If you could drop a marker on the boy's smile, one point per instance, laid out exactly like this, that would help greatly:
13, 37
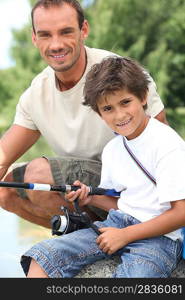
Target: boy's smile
124, 113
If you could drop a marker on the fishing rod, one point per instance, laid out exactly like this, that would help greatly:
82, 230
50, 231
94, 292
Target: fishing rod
60, 188
68, 221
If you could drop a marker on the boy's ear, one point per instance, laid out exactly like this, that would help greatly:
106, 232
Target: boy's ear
144, 101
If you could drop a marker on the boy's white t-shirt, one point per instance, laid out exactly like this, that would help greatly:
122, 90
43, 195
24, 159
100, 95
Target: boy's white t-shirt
162, 152
70, 128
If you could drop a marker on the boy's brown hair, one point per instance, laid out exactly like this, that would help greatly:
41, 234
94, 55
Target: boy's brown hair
114, 74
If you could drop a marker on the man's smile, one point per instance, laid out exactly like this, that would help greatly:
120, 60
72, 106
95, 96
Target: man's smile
58, 56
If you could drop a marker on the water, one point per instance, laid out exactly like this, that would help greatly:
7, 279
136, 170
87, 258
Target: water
16, 236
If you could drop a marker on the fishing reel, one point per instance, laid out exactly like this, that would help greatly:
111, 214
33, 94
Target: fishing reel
71, 221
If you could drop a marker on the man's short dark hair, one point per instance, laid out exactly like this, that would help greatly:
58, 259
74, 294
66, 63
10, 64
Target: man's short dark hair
49, 3
114, 74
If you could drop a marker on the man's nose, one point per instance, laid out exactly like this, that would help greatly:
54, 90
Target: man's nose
56, 43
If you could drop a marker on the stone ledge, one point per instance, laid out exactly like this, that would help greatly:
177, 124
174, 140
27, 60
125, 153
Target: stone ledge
105, 268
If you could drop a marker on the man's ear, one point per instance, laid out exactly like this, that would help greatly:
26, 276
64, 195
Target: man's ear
85, 30
33, 37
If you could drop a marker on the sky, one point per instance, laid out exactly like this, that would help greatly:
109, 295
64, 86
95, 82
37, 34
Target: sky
13, 14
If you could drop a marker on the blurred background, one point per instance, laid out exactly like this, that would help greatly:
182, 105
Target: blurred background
152, 32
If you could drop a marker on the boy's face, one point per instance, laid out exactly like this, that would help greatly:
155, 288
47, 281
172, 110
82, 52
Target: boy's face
124, 113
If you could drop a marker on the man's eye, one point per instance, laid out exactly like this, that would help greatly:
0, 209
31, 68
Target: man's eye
67, 32
44, 35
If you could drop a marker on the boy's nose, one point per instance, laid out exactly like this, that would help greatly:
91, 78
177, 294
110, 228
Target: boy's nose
120, 115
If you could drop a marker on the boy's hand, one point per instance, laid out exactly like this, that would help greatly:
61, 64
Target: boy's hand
81, 194
111, 239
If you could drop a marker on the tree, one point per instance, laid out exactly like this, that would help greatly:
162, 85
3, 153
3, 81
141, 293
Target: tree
15, 80
152, 33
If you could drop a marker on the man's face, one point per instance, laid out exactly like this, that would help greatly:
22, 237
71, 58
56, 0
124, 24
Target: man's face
58, 36
123, 112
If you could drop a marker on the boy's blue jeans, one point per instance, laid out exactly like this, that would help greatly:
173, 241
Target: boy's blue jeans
66, 255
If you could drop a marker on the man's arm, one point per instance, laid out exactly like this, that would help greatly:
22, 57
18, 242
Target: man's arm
162, 117
155, 106
14, 143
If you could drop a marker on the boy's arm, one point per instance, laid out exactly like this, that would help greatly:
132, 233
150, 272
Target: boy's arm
168, 221
113, 239
104, 202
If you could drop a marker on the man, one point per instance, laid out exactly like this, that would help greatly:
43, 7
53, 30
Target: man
52, 107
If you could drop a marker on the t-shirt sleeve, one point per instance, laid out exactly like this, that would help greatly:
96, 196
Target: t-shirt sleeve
105, 181
23, 111
170, 176
154, 102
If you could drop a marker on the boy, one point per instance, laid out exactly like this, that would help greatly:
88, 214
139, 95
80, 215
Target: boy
144, 226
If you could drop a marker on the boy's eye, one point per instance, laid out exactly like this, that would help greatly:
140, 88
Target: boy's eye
107, 108
124, 102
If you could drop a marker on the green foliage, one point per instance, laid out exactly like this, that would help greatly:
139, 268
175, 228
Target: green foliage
16, 79
23, 52
151, 32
